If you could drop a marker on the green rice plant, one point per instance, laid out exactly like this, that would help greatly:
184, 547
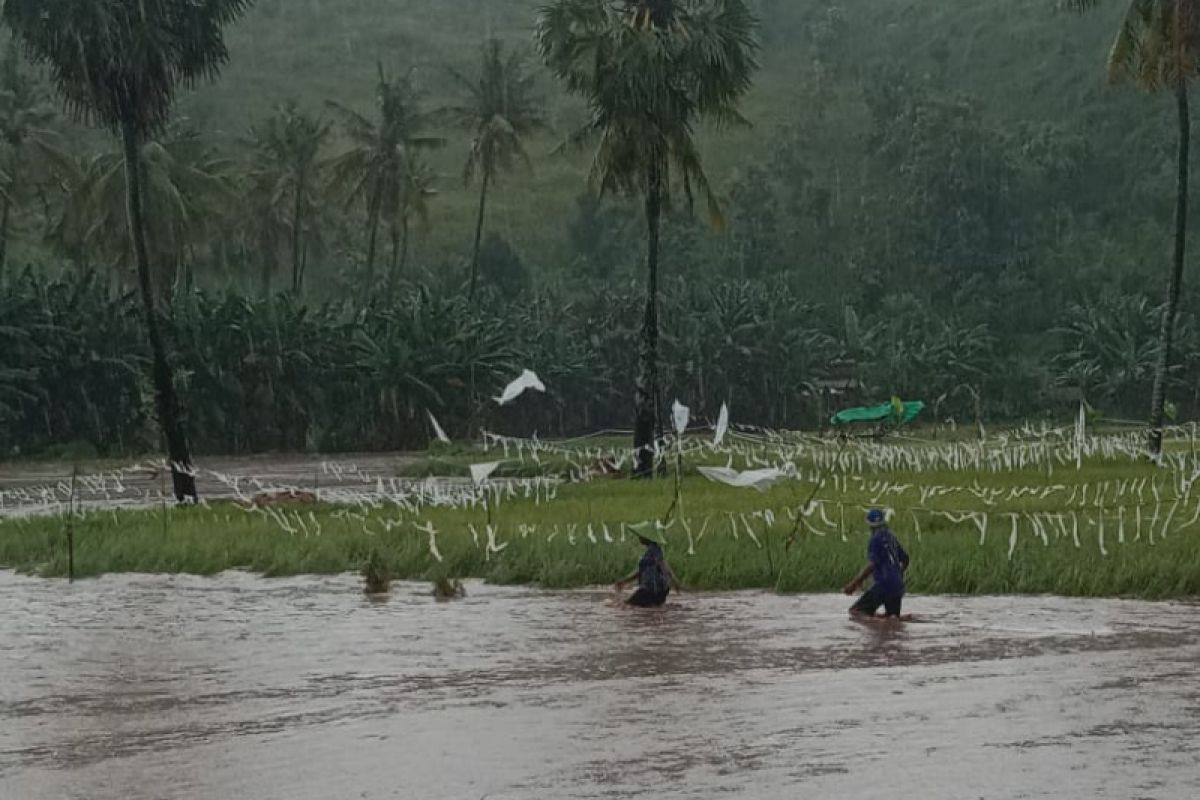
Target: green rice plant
579, 539
376, 575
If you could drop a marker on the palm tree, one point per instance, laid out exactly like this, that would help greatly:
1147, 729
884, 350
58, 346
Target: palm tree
119, 64
416, 197
650, 71
24, 121
184, 187
382, 158
1157, 46
284, 157
500, 110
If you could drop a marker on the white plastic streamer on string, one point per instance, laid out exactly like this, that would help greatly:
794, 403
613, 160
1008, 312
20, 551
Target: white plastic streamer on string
691, 541
750, 531
980, 518
432, 532
722, 426
1167, 522
680, 415
492, 546
481, 472
758, 479
437, 428
527, 380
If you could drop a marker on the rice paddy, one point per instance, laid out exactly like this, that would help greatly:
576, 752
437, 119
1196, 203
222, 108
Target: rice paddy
1033, 511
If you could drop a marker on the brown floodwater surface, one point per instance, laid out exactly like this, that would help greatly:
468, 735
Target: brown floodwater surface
150, 687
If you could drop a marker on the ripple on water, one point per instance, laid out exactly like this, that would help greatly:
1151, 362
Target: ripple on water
189, 687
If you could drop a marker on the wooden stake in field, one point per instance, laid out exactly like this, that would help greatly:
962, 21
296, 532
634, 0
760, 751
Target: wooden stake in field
162, 498
71, 527
680, 415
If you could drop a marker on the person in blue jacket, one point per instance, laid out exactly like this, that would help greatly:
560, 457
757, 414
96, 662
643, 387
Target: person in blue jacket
887, 563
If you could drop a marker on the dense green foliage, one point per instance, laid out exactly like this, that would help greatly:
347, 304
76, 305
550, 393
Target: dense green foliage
277, 374
651, 72
945, 194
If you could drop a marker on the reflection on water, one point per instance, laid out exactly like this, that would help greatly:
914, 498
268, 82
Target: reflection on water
152, 687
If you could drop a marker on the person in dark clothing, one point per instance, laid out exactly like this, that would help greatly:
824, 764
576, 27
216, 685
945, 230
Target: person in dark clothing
887, 563
653, 574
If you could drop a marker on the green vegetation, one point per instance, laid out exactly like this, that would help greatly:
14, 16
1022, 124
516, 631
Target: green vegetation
931, 200
1156, 45
1132, 538
500, 112
651, 73
264, 375
376, 577
382, 167
120, 67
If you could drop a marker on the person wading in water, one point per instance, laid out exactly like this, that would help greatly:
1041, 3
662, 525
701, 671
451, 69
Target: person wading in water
653, 574
887, 563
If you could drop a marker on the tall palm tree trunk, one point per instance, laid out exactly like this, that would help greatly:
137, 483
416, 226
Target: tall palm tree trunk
646, 392
1166, 337
394, 266
297, 222
404, 245
170, 416
5, 213
373, 210
478, 235
303, 262
266, 246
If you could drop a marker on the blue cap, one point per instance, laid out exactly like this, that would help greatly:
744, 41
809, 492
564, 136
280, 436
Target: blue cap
875, 517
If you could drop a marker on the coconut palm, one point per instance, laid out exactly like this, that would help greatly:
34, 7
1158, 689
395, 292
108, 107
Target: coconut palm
651, 70
119, 64
185, 188
415, 206
382, 158
501, 110
285, 152
1157, 46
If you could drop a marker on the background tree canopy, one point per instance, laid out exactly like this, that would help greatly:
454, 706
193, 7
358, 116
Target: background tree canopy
931, 199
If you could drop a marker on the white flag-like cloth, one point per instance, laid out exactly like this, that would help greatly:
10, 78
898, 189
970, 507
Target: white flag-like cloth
681, 414
437, 429
527, 380
481, 472
722, 426
760, 479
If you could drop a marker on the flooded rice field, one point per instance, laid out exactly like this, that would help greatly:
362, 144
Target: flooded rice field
149, 687
31, 489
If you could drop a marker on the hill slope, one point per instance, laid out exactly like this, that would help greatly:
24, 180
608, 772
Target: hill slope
1020, 60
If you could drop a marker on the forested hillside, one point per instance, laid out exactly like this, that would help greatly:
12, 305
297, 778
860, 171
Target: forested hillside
1021, 82
948, 194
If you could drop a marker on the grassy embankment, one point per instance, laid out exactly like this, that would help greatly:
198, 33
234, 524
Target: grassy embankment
547, 542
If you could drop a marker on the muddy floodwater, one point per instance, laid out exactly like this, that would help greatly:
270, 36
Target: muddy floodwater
28, 489
148, 687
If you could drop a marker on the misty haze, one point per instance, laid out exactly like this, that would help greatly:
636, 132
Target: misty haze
598, 398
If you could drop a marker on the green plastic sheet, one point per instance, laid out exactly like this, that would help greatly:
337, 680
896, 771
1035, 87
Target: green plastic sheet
898, 412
